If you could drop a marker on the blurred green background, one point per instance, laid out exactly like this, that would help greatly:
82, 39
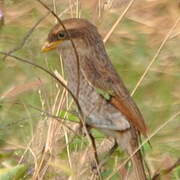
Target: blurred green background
131, 47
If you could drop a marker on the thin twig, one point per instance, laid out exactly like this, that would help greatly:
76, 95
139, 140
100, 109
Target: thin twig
26, 37
57, 118
48, 72
166, 171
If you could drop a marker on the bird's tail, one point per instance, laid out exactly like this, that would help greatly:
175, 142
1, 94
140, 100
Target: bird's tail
138, 165
129, 141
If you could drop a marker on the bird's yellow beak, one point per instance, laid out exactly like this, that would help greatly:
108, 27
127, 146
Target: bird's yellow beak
48, 46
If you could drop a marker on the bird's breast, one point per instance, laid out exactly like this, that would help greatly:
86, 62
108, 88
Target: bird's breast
98, 112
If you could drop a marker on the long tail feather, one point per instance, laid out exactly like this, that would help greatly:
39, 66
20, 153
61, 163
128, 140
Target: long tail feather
129, 141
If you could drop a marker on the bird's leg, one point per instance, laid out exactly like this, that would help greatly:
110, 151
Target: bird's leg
94, 148
108, 153
104, 151
95, 156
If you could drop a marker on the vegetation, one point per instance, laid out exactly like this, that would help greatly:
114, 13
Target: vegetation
36, 144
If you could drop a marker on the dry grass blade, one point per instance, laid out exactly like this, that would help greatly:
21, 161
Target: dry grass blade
28, 148
54, 127
77, 9
19, 89
118, 21
70, 8
156, 55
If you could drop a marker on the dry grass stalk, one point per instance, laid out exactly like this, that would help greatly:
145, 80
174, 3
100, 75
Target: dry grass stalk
118, 21
156, 55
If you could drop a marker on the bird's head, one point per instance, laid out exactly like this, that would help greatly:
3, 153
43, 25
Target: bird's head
75, 29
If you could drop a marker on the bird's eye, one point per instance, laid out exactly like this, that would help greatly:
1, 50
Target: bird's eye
61, 35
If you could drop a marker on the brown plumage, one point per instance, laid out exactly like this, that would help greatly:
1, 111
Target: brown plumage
104, 99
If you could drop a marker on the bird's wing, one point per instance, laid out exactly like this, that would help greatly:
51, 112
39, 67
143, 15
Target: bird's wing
101, 74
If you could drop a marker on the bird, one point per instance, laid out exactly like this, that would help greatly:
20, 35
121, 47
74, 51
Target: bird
102, 95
